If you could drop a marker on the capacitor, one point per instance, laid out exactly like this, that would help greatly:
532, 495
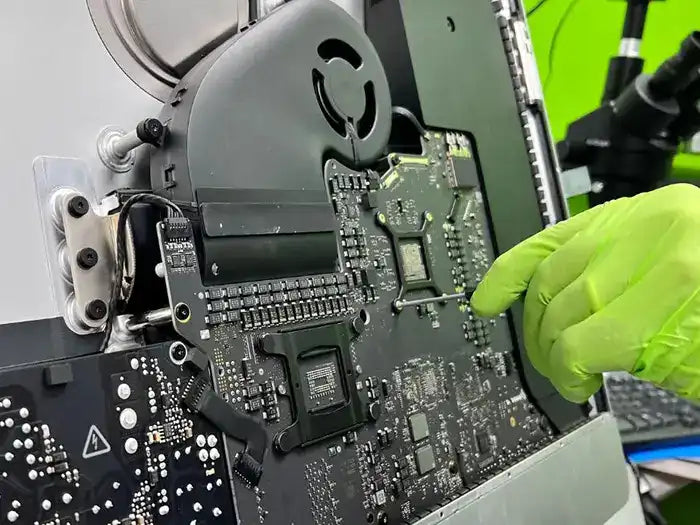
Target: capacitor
124, 391
375, 410
131, 446
128, 418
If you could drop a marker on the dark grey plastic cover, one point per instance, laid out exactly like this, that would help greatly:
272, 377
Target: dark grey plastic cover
249, 128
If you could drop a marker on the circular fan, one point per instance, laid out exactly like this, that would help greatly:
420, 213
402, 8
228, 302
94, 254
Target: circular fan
344, 89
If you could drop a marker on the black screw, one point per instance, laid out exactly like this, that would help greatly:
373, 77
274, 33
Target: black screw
87, 258
96, 309
178, 352
182, 312
78, 206
150, 130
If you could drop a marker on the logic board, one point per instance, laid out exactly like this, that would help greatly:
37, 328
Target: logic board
133, 455
381, 394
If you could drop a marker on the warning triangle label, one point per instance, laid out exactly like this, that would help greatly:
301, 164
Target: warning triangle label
95, 444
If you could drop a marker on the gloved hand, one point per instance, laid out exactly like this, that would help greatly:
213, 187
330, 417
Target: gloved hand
614, 288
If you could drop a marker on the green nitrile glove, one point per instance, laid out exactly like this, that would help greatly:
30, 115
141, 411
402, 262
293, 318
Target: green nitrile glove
614, 288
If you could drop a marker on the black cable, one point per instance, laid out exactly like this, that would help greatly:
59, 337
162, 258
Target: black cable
121, 254
534, 8
553, 43
407, 113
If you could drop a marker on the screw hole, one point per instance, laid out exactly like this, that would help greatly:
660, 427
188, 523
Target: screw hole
364, 316
182, 312
450, 24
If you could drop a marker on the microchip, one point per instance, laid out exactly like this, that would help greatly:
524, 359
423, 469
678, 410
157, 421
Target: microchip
418, 425
247, 368
483, 443
253, 405
252, 391
425, 459
216, 293
465, 173
413, 260
217, 305
61, 467
380, 497
321, 385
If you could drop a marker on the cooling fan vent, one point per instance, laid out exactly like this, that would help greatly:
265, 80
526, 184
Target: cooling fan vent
344, 90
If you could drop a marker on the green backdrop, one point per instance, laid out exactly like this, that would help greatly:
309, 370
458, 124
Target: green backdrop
574, 39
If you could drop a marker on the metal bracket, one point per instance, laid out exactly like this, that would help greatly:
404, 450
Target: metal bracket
78, 242
576, 181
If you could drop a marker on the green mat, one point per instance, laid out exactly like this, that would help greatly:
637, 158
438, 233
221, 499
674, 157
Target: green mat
573, 41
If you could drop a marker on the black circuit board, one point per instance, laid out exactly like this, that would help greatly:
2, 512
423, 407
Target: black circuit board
432, 398
104, 439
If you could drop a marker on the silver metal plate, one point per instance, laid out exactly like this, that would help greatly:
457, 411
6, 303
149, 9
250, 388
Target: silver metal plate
64, 236
578, 480
576, 181
156, 42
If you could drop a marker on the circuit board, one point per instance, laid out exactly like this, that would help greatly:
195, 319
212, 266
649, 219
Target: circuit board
381, 395
135, 455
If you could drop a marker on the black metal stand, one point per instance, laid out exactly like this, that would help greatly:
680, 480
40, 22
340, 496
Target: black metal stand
628, 143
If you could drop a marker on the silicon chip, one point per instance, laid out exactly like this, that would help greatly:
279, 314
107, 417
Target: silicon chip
483, 444
413, 260
425, 459
322, 387
418, 426
253, 405
465, 173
